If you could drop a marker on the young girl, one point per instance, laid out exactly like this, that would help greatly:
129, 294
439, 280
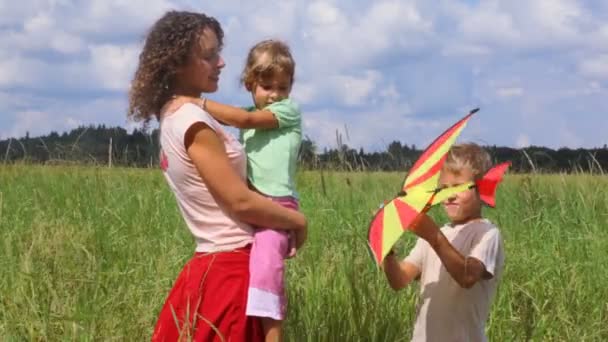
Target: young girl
271, 132
205, 167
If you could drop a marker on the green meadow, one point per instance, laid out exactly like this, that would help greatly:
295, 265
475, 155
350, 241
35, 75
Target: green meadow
90, 253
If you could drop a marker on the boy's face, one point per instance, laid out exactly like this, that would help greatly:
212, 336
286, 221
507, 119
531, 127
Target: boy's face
464, 206
275, 89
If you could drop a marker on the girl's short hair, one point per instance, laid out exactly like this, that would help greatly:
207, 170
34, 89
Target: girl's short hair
266, 59
468, 155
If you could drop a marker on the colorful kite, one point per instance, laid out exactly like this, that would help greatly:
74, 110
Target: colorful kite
420, 192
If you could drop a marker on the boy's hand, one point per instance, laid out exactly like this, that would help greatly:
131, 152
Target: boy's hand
425, 228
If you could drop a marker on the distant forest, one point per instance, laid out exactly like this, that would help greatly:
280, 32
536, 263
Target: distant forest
114, 146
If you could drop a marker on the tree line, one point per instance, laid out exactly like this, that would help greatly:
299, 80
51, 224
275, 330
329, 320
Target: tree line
115, 146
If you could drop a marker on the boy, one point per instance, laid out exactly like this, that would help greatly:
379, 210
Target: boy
459, 265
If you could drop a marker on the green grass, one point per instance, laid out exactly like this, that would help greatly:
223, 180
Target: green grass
91, 253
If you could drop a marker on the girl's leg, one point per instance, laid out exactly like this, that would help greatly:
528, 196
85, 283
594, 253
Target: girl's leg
273, 329
266, 296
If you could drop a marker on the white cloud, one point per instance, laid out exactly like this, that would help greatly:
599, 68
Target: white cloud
114, 65
303, 93
516, 26
353, 91
66, 43
390, 93
16, 71
372, 128
388, 27
38, 23
29, 120
72, 122
383, 67
44, 114
568, 138
343, 89
113, 17
489, 25
509, 92
522, 141
274, 20
559, 17
595, 67
324, 13
392, 23
465, 49
41, 32
14, 12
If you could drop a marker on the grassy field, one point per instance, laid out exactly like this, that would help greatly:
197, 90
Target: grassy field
90, 254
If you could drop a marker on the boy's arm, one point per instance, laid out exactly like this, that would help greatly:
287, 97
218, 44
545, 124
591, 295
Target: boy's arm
465, 271
399, 273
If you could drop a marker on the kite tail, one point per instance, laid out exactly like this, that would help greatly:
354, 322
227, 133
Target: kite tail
486, 186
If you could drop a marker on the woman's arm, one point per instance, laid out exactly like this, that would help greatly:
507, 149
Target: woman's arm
209, 157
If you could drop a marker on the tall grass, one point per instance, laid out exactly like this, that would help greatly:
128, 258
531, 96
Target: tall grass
90, 254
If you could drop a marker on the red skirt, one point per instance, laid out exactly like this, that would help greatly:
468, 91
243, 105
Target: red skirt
208, 300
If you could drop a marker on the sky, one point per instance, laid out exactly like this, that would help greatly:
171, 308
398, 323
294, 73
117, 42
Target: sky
370, 71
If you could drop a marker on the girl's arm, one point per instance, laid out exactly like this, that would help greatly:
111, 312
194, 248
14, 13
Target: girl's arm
238, 117
233, 116
209, 157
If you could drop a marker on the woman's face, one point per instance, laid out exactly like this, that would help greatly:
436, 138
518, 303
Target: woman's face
201, 73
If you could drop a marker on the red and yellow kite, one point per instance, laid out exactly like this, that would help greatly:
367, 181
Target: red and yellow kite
420, 191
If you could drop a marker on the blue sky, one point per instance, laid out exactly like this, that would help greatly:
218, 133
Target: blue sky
381, 70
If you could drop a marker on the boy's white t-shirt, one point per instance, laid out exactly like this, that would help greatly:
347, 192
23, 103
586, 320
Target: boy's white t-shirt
213, 228
446, 311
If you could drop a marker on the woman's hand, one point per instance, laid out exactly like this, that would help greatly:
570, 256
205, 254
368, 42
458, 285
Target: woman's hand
301, 235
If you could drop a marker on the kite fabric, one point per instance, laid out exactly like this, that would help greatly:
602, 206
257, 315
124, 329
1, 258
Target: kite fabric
420, 192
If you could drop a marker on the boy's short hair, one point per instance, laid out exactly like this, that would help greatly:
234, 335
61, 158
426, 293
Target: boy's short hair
468, 155
265, 59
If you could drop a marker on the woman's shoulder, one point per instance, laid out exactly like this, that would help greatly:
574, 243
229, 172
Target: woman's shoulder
188, 114
190, 111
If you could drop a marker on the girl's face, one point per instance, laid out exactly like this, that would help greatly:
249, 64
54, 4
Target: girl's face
274, 89
463, 206
201, 73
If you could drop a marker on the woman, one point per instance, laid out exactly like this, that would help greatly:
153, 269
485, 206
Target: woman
205, 167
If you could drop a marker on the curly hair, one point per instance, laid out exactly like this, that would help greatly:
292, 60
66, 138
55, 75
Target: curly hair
264, 60
468, 155
167, 47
